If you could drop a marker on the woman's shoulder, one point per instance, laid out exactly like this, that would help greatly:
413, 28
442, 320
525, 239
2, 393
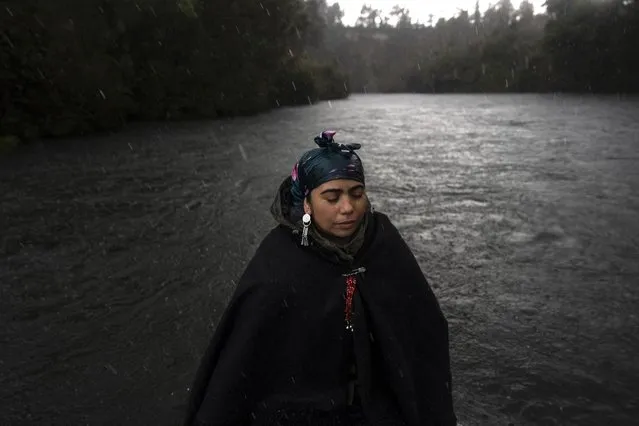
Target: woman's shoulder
270, 265
279, 239
276, 250
385, 225
381, 217
388, 239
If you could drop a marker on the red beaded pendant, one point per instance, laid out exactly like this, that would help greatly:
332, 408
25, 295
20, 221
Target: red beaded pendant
351, 286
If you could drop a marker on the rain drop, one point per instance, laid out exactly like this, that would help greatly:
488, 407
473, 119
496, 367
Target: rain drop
111, 368
242, 152
6, 37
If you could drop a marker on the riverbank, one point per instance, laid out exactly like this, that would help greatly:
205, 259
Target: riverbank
312, 92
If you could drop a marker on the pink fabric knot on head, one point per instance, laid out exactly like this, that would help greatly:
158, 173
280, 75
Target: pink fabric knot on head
294, 172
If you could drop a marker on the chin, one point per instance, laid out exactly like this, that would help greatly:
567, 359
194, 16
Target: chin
343, 234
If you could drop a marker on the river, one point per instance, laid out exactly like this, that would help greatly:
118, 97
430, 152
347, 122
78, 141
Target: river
119, 252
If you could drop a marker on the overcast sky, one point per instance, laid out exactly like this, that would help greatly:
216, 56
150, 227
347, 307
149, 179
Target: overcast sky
420, 9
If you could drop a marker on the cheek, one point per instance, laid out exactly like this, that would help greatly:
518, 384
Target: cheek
360, 204
326, 211
324, 214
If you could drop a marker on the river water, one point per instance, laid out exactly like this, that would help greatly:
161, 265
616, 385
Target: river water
119, 252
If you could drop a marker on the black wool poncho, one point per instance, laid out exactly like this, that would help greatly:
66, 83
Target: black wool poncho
285, 352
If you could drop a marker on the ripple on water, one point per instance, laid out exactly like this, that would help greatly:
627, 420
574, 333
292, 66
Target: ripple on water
520, 206
470, 202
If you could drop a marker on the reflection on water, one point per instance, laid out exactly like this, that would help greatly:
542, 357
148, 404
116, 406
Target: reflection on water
120, 252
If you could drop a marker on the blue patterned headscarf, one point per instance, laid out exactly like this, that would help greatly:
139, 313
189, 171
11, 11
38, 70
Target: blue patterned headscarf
328, 162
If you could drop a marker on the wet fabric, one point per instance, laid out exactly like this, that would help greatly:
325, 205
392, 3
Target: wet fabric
281, 354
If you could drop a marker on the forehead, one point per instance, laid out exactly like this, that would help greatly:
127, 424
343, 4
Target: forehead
344, 185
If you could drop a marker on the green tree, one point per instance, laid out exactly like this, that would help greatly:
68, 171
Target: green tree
334, 15
402, 16
78, 66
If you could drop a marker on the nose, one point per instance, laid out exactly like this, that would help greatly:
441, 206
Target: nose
346, 206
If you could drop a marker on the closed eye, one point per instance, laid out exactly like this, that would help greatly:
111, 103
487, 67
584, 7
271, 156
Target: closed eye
334, 194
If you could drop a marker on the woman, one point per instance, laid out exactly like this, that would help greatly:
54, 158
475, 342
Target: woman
332, 322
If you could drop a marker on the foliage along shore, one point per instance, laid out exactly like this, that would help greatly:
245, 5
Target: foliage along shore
76, 67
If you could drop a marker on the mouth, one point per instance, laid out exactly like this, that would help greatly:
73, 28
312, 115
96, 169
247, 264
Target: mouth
346, 224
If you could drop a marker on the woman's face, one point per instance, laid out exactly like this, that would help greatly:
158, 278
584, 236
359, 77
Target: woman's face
337, 206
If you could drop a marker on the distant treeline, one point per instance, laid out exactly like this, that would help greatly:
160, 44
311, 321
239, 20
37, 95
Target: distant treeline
573, 46
78, 66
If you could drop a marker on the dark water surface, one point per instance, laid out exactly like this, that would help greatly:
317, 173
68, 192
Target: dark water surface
118, 253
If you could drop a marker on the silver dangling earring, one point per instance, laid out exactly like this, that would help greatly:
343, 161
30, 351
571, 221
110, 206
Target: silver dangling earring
306, 221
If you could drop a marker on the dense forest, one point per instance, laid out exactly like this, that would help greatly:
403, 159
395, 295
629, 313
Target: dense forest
573, 46
78, 66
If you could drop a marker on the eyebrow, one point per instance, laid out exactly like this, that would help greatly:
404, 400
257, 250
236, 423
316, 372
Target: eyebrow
338, 191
